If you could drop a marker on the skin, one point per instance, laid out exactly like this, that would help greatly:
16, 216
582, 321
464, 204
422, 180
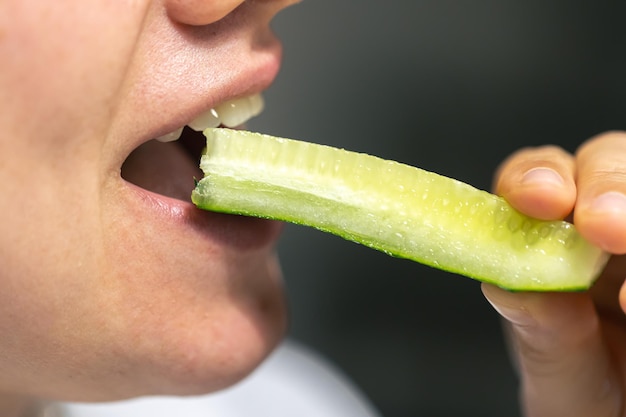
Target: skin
108, 291
570, 348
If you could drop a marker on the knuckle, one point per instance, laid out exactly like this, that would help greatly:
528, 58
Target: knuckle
610, 176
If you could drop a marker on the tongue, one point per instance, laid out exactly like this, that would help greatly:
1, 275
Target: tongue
163, 168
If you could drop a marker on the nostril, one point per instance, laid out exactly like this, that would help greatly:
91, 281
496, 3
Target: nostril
200, 12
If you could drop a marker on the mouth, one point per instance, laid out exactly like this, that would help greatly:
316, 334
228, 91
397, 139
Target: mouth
157, 165
162, 173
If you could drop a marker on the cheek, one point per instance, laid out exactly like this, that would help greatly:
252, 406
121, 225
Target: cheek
46, 282
62, 70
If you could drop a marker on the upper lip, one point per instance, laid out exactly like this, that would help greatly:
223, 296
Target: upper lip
189, 86
253, 80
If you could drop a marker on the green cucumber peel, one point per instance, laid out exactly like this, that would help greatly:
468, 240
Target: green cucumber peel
398, 209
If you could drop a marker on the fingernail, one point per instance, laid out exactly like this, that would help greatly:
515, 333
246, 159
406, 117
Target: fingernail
609, 202
518, 316
509, 305
537, 176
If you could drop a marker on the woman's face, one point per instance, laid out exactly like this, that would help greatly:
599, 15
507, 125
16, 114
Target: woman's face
111, 283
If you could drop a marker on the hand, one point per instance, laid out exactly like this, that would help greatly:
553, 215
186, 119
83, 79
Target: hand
570, 348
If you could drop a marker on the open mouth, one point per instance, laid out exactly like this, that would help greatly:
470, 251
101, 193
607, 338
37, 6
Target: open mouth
168, 165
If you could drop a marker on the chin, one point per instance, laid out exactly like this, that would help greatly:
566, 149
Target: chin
207, 356
187, 318
190, 327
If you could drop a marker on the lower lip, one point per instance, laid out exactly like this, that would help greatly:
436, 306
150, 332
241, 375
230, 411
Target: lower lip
237, 232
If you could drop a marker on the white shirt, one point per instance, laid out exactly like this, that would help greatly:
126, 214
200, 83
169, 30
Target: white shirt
292, 382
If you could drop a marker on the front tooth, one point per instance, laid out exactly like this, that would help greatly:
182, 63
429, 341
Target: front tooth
257, 104
170, 137
235, 112
231, 113
205, 120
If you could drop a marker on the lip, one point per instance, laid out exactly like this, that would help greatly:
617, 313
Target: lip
255, 79
185, 85
184, 220
177, 219
240, 233
237, 232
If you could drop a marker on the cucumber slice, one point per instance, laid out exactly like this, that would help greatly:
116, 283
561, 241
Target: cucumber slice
395, 208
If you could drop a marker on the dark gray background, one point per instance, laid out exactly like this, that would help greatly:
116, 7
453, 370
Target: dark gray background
453, 87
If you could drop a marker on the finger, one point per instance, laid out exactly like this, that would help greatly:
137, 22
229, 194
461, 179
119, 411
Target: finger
605, 290
539, 182
564, 365
600, 213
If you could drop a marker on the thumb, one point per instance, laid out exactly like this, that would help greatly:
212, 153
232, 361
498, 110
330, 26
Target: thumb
557, 345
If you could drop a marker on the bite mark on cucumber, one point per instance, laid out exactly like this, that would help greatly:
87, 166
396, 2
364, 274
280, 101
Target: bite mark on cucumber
401, 210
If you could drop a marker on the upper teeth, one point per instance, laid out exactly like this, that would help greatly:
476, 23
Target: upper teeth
231, 113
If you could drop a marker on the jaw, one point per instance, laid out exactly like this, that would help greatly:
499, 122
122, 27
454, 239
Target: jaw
201, 291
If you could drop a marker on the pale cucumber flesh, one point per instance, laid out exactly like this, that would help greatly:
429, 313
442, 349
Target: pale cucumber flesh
395, 208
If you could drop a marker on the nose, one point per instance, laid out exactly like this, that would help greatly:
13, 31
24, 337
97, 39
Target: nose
200, 12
